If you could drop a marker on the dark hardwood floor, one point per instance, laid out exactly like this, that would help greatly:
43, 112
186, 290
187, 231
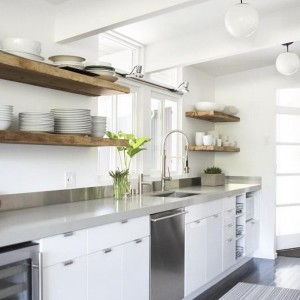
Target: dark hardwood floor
282, 272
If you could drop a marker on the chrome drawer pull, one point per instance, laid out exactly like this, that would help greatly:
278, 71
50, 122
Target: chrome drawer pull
67, 234
138, 241
107, 250
124, 221
229, 225
68, 262
216, 216
230, 240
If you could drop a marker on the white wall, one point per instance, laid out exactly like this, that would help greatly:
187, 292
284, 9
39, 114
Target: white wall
254, 93
26, 168
201, 88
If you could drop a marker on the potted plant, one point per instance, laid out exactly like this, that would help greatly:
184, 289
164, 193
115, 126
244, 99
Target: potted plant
121, 183
212, 176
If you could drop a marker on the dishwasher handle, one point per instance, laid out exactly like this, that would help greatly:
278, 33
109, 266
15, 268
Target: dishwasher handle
169, 216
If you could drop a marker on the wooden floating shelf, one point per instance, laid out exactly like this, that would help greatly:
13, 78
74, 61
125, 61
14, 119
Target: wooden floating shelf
27, 71
213, 148
30, 138
212, 116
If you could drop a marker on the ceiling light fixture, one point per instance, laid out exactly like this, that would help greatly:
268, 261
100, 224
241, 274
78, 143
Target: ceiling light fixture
136, 72
241, 20
287, 63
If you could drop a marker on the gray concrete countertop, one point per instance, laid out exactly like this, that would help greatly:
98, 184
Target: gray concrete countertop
34, 223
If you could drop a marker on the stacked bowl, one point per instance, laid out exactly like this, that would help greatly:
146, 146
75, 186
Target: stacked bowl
72, 121
98, 126
6, 116
36, 122
22, 47
103, 69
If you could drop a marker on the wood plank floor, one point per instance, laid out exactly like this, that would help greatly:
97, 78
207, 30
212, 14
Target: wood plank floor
282, 272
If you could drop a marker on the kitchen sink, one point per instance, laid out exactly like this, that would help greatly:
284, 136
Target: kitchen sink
175, 195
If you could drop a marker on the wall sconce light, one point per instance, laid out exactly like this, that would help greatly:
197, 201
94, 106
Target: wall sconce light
241, 20
136, 72
184, 87
287, 63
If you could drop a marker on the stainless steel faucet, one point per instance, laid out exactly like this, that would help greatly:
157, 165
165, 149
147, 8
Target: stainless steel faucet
186, 168
141, 183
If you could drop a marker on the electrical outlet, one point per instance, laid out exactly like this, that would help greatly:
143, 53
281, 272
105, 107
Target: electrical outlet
70, 179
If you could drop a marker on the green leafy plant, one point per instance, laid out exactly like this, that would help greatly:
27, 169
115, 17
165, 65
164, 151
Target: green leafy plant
213, 170
126, 153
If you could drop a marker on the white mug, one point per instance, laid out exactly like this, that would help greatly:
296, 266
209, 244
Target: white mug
208, 140
199, 138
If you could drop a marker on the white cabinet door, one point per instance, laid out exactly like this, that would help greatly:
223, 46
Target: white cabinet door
228, 253
136, 270
105, 274
214, 246
195, 256
66, 280
252, 236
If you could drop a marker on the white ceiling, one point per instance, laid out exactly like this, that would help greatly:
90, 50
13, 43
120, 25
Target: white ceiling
202, 16
208, 15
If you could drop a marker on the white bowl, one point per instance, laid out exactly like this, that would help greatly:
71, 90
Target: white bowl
4, 124
205, 106
230, 110
59, 59
219, 107
21, 44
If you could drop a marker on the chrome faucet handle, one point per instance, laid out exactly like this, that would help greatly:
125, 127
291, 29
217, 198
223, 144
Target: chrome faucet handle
169, 178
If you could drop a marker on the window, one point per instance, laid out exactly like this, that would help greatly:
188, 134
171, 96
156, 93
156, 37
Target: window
146, 111
164, 119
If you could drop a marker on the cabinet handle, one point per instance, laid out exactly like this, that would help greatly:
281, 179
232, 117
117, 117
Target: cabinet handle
252, 222
215, 216
67, 234
107, 250
198, 221
138, 241
230, 240
68, 262
229, 225
124, 221
230, 211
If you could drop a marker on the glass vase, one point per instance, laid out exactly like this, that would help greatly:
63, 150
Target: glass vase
121, 187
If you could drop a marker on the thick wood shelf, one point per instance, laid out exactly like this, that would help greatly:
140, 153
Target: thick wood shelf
212, 116
30, 138
213, 148
27, 71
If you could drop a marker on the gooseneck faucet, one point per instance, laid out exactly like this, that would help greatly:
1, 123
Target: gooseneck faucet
186, 168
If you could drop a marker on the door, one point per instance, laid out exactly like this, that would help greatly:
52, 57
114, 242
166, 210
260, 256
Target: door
214, 246
67, 280
136, 270
105, 274
288, 169
195, 256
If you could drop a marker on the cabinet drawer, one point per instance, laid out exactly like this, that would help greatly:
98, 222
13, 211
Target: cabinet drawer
203, 210
229, 231
63, 247
110, 235
229, 216
229, 203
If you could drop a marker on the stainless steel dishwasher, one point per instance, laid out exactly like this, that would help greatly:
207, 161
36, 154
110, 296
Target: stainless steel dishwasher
167, 255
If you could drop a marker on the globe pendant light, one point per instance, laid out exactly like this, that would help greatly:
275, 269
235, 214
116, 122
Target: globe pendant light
287, 63
241, 20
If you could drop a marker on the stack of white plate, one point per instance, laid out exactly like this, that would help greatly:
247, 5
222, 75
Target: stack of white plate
72, 121
103, 69
68, 61
36, 122
6, 116
98, 126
